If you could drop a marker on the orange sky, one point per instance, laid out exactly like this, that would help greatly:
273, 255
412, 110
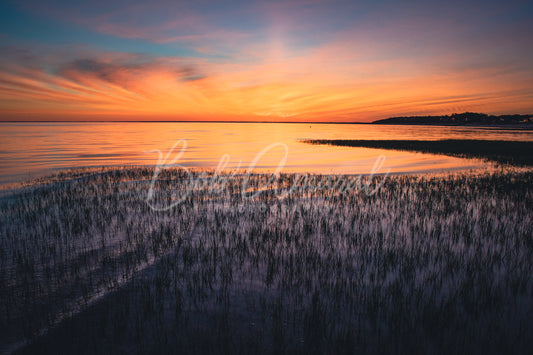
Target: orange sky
283, 70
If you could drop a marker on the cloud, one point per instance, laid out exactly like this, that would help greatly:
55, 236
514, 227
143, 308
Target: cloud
192, 25
420, 60
103, 82
120, 73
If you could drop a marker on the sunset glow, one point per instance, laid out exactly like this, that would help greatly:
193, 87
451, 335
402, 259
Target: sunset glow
254, 61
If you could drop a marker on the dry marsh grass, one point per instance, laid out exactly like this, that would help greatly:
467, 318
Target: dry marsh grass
427, 264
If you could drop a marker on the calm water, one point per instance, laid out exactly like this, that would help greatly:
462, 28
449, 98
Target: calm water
32, 149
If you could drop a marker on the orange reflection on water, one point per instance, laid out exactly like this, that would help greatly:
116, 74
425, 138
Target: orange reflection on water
33, 148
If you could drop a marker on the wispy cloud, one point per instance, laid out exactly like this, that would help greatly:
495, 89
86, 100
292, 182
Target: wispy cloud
298, 59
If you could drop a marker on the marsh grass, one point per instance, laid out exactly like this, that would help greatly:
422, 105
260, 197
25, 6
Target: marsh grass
426, 264
503, 152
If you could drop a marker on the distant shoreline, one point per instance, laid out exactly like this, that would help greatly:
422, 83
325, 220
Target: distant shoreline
525, 126
468, 119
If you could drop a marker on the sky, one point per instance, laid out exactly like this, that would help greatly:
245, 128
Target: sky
294, 60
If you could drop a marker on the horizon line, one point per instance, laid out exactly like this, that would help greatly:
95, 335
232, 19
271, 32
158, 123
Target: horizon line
177, 121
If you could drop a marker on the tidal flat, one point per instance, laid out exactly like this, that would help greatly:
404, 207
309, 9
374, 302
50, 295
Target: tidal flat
412, 264
515, 153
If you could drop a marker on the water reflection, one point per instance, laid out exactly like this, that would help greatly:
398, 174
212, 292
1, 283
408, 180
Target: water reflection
29, 149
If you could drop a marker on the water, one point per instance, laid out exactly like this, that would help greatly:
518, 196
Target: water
33, 149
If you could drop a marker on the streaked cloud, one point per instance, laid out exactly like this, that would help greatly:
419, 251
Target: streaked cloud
295, 60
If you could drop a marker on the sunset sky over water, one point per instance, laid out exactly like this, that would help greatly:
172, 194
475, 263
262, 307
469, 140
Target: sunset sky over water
342, 61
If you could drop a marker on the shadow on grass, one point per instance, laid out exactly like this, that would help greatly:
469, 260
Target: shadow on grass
426, 265
505, 152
